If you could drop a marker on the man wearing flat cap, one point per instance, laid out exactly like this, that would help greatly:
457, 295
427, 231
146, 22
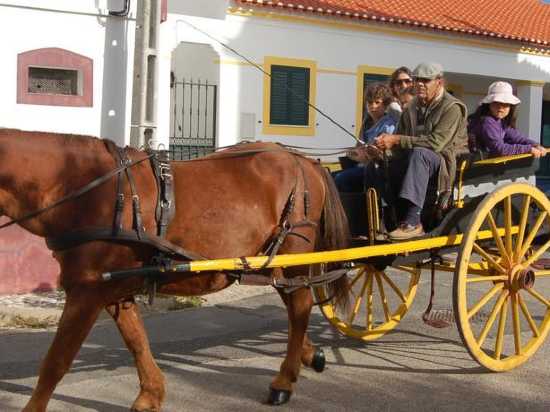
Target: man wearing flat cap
431, 132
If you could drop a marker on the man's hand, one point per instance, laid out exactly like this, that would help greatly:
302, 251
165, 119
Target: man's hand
538, 151
386, 141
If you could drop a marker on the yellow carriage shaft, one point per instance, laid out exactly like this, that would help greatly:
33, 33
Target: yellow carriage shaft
342, 255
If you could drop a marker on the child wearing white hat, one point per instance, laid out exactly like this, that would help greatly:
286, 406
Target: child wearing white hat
494, 124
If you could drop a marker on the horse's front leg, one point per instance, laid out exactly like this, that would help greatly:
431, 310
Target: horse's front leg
299, 304
79, 315
130, 325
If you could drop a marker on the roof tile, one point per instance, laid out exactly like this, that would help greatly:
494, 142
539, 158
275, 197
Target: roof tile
526, 21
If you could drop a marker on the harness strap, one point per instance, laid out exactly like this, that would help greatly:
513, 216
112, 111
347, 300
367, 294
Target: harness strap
165, 209
77, 193
291, 284
79, 237
119, 202
285, 228
136, 208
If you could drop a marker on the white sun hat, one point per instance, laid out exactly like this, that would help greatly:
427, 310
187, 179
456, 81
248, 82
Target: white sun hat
501, 92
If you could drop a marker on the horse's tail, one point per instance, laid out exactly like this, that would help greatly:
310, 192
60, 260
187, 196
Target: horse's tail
335, 234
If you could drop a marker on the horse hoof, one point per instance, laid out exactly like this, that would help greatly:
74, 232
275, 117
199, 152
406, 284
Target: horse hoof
278, 396
318, 362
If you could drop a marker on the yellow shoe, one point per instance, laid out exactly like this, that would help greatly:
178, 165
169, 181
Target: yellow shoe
406, 231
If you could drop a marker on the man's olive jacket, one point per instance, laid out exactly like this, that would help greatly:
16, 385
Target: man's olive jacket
444, 132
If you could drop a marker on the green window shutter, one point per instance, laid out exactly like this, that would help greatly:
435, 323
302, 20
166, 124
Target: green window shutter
289, 95
369, 79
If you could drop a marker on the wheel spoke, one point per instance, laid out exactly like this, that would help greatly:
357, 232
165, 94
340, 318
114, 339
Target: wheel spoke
488, 258
393, 286
497, 237
485, 299
515, 323
501, 326
407, 269
487, 278
479, 268
369, 302
528, 316
532, 234
537, 254
492, 318
383, 297
357, 302
522, 225
508, 225
538, 296
360, 273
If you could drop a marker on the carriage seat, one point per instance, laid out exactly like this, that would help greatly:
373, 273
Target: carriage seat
483, 174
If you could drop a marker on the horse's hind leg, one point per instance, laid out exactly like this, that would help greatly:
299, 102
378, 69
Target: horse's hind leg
130, 325
298, 305
311, 356
79, 315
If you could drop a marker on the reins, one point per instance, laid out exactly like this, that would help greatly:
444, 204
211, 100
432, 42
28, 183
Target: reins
92, 185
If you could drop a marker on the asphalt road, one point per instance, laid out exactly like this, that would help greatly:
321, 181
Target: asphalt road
224, 357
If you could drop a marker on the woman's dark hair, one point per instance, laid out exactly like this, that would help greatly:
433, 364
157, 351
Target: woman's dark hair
483, 111
378, 91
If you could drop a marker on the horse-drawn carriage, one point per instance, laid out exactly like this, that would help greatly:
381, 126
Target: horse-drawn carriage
493, 237
260, 213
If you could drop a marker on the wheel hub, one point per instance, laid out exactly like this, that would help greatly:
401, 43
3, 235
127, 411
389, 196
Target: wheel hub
521, 278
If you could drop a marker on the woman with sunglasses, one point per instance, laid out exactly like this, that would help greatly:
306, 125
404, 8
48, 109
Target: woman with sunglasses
400, 80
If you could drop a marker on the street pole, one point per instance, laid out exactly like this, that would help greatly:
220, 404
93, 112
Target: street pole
145, 84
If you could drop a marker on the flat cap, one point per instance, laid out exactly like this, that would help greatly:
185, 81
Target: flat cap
428, 70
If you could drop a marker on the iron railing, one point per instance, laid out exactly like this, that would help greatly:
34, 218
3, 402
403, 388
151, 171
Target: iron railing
194, 119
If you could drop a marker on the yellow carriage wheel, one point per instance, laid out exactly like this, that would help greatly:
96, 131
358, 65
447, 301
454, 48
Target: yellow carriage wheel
502, 287
380, 299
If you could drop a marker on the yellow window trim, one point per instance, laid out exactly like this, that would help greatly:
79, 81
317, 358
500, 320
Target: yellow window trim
361, 71
533, 83
289, 130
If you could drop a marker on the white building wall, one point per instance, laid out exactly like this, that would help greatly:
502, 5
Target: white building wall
336, 49
75, 26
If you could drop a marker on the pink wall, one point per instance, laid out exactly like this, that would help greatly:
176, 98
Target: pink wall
26, 264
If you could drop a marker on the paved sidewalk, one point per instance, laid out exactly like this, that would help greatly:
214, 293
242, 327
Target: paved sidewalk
42, 310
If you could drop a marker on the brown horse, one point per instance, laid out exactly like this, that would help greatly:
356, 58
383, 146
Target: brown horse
226, 206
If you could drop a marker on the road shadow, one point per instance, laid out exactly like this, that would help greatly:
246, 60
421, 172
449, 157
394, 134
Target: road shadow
209, 362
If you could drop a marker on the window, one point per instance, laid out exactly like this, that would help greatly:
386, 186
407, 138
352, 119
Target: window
289, 95
286, 96
55, 77
53, 81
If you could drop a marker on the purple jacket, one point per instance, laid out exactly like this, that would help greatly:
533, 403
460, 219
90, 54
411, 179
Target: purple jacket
497, 140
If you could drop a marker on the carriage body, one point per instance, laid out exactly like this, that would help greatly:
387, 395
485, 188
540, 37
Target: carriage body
493, 237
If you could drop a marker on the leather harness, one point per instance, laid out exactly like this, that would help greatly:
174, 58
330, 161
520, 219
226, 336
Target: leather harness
164, 213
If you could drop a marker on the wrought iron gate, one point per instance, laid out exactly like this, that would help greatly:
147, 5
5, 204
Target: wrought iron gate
193, 128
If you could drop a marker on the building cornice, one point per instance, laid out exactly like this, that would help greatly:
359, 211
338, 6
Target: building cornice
384, 29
